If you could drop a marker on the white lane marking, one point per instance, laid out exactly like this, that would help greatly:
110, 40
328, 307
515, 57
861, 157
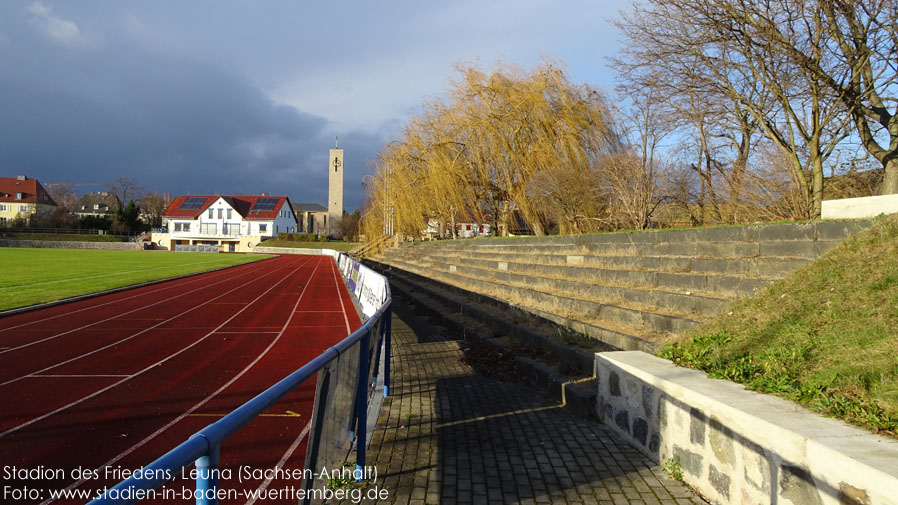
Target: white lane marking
263, 486
319, 326
60, 376
247, 332
289, 452
10, 349
113, 344
161, 288
150, 367
340, 297
201, 402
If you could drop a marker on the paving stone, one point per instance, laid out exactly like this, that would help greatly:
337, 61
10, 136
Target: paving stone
448, 435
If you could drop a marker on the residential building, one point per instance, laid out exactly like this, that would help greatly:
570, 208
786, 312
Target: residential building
234, 223
100, 204
23, 197
311, 218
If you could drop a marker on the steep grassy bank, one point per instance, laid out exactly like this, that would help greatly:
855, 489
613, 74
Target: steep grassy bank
826, 336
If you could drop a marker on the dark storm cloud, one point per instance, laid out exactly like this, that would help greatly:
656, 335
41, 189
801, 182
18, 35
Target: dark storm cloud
84, 107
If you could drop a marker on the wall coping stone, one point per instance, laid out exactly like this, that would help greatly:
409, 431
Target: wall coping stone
835, 455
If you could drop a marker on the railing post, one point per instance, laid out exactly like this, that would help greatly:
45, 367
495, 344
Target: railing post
207, 477
388, 326
362, 406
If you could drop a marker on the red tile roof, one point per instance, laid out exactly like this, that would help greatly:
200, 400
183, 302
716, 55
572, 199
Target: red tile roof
243, 204
31, 189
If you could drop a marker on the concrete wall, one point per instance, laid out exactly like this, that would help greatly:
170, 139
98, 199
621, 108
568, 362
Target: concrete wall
47, 244
740, 447
287, 250
856, 208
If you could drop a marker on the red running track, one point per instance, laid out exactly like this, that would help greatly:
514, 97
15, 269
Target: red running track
118, 380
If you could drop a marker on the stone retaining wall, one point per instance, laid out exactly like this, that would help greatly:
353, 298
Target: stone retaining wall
809, 231
740, 447
48, 244
287, 250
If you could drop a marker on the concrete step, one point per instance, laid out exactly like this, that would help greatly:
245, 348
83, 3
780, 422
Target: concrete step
791, 249
659, 300
514, 317
815, 231
728, 287
765, 268
555, 366
648, 324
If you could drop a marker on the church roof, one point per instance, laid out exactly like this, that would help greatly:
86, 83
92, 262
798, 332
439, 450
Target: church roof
308, 207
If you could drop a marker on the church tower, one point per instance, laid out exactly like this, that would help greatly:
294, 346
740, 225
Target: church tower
335, 192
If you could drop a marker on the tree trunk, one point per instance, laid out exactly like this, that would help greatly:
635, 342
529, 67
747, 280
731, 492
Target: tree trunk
890, 178
816, 187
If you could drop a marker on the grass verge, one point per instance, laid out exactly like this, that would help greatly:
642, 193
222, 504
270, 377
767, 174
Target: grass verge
826, 336
335, 245
32, 276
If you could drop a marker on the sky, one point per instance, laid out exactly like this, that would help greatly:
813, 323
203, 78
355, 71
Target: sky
211, 97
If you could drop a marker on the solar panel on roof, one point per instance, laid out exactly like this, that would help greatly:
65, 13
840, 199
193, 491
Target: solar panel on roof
265, 203
193, 203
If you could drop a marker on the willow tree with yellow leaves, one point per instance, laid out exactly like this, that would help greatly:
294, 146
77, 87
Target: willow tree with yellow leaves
508, 140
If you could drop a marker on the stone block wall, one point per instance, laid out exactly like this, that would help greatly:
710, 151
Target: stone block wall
739, 447
288, 250
48, 244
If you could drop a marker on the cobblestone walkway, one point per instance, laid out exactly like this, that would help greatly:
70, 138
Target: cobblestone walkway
449, 436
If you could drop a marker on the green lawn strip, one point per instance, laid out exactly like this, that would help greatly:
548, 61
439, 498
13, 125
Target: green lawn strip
32, 276
826, 336
335, 245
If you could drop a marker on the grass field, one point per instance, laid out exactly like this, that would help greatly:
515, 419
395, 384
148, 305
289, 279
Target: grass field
31, 276
826, 336
335, 245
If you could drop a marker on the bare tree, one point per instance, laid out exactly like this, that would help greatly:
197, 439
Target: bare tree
733, 50
125, 189
866, 38
65, 198
152, 206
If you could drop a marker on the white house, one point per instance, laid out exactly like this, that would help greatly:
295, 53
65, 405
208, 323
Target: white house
233, 223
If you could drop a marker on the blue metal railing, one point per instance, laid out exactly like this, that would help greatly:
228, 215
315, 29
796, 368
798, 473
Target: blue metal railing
202, 449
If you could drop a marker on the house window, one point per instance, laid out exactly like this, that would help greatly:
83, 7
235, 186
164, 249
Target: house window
182, 226
263, 228
210, 213
96, 206
84, 207
23, 208
209, 228
229, 213
3, 221
3, 208
220, 213
18, 196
